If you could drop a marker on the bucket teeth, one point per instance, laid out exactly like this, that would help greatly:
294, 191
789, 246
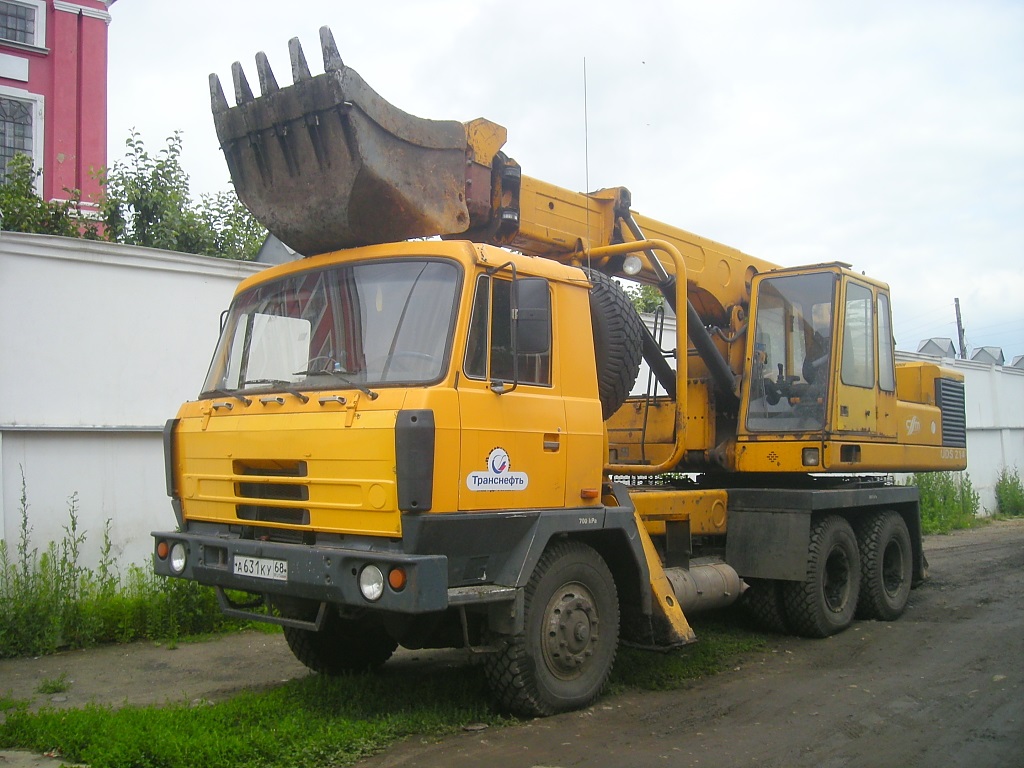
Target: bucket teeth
332, 59
243, 93
300, 69
268, 84
217, 101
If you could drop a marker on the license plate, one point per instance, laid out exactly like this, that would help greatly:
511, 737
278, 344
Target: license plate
261, 568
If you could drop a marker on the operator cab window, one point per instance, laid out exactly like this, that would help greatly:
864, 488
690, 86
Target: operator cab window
489, 348
792, 353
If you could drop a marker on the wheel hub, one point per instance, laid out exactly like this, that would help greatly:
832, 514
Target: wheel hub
570, 631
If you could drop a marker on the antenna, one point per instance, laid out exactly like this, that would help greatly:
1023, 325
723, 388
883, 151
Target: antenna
586, 155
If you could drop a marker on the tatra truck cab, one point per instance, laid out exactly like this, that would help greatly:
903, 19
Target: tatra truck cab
427, 432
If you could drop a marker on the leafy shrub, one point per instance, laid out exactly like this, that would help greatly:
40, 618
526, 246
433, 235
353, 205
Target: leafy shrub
948, 501
1009, 493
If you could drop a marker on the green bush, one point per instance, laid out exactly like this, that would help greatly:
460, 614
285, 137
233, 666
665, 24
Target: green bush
948, 501
49, 601
1009, 493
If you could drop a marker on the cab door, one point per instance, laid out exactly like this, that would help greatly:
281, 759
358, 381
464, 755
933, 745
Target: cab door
513, 419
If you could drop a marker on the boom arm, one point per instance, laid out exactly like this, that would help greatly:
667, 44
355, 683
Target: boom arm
327, 163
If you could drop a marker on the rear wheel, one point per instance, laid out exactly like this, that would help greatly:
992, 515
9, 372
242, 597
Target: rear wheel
762, 603
562, 659
341, 645
825, 601
886, 566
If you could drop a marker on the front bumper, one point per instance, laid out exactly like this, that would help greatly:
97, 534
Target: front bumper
315, 572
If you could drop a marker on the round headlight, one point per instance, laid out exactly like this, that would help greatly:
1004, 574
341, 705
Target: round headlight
178, 558
632, 265
371, 583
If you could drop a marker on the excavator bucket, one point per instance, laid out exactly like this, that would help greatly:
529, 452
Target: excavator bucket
326, 163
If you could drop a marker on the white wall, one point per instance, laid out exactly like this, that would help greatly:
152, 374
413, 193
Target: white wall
99, 345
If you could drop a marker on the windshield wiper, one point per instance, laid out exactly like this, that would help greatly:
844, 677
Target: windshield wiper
280, 384
226, 393
340, 377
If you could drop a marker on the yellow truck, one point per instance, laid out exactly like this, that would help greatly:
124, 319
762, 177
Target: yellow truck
427, 431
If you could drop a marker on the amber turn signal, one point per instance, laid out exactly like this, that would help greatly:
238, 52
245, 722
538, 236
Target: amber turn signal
397, 579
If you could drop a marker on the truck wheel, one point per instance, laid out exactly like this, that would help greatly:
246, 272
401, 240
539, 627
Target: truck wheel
825, 602
341, 645
886, 566
618, 342
562, 659
762, 603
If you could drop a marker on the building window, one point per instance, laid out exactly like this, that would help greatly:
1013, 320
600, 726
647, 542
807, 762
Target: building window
15, 130
18, 23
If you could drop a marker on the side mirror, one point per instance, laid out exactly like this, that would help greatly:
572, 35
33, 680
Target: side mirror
532, 316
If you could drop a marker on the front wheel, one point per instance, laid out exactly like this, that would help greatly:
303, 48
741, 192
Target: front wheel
562, 659
825, 601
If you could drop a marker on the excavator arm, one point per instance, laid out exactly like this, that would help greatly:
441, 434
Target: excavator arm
326, 163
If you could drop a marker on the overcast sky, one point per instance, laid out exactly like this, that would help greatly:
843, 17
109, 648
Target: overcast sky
889, 135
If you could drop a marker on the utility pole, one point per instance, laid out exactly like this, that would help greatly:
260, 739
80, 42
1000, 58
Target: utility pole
960, 330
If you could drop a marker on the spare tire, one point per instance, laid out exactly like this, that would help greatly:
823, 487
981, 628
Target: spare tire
618, 333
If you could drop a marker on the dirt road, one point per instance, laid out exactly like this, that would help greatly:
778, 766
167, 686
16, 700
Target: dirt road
943, 686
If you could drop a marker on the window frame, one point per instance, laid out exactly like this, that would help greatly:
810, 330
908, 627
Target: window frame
38, 109
39, 36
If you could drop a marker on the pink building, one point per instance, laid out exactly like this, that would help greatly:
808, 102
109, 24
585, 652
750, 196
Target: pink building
53, 90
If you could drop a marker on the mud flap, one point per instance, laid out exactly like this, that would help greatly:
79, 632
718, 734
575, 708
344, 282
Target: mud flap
669, 627
326, 163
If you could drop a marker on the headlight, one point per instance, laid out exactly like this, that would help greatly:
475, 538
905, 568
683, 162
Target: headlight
371, 583
177, 558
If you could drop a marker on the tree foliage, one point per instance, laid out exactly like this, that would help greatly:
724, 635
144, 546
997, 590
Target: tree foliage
645, 298
146, 201
25, 211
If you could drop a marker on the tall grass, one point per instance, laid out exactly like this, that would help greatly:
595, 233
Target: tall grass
49, 601
948, 501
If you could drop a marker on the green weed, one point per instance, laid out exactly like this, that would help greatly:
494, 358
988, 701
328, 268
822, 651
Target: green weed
1009, 493
948, 501
58, 684
50, 601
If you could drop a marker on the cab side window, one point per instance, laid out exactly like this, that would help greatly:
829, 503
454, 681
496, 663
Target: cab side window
489, 346
858, 367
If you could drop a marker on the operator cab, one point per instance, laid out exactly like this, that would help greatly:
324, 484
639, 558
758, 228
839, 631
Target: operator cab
821, 355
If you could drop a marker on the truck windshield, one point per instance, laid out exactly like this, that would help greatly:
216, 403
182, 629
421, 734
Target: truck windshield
792, 361
363, 325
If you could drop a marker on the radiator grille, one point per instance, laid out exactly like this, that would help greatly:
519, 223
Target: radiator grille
270, 484
950, 397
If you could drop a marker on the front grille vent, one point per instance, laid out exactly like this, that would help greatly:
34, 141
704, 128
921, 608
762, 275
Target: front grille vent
952, 402
269, 485
261, 513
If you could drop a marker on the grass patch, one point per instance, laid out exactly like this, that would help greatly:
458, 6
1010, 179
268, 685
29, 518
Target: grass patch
722, 638
49, 601
948, 501
319, 721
